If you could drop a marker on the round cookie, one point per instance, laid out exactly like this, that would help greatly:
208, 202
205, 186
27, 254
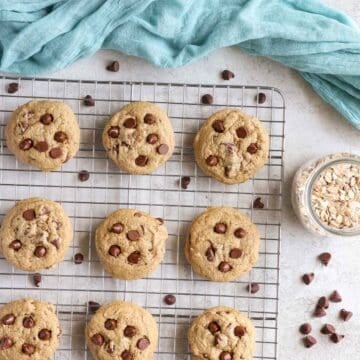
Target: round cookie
222, 244
222, 333
130, 243
44, 134
29, 329
35, 234
139, 138
231, 146
122, 330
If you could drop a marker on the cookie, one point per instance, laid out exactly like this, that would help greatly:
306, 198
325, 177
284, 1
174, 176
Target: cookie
222, 333
122, 330
35, 234
130, 243
231, 146
29, 329
44, 134
222, 244
139, 138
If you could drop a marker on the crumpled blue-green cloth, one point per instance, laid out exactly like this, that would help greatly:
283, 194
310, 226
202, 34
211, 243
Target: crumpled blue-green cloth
38, 36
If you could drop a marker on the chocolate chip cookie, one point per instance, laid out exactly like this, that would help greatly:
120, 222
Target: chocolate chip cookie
35, 234
222, 333
130, 243
29, 329
222, 244
122, 330
139, 138
44, 134
231, 146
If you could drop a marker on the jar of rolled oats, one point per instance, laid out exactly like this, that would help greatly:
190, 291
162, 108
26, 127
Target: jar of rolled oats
326, 195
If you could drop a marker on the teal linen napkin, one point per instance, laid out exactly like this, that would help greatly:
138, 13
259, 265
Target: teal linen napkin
39, 36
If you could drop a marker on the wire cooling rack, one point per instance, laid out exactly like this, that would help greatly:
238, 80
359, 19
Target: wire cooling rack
70, 286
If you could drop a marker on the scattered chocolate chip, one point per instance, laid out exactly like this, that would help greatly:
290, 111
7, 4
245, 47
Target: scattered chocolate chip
15, 245
28, 349
56, 243
8, 319
42, 146
133, 235
214, 327
83, 175
89, 101
114, 250
325, 258
149, 119
114, 132
78, 258
28, 322
114, 66
225, 355
323, 302
224, 267
336, 338
40, 251
185, 181
93, 306
212, 160
26, 144
261, 98
235, 253
309, 341
220, 228
29, 214
345, 315
141, 160
134, 257
6, 343
258, 204
305, 329
160, 220
110, 347
252, 148
308, 278
55, 153
97, 339
253, 288
143, 343
117, 228
170, 299
335, 297
130, 331
241, 132
46, 119
152, 139
60, 137
127, 355
207, 99
227, 75
239, 331
162, 149
130, 123
218, 126
327, 329
110, 324
240, 233
210, 253
13, 88
44, 334
319, 312
37, 279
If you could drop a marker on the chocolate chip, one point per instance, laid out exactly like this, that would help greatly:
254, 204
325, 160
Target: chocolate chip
227, 75
78, 258
252, 148
258, 204
117, 228
55, 153
308, 278
309, 341
93, 306
15, 245
56, 243
210, 254
224, 267
170, 299
44, 334
336, 338
335, 297
97, 339
218, 126
325, 258
160, 220
13, 88
83, 175
37, 279
89, 101
130, 331
133, 235
40, 251
149, 119
60, 137
220, 228
8, 319
152, 139
130, 123
162, 149
114, 250
214, 327
241, 132
28, 322
46, 119
114, 132
26, 144
345, 315
127, 355
143, 343
319, 312
323, 302
113, 66
261, 98
212, 160
253, 288
235, 253
240, 233
141, 160
6, 343
327, 329
226, 355
29, 214
207, 99
185, 181
110, 324
42, 146
305, 328
239, 331
134, 257
28, 349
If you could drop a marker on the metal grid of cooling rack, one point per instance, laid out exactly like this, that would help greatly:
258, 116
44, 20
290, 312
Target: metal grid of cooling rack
71, 286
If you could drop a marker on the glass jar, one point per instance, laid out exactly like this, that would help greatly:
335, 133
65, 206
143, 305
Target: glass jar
326, 195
